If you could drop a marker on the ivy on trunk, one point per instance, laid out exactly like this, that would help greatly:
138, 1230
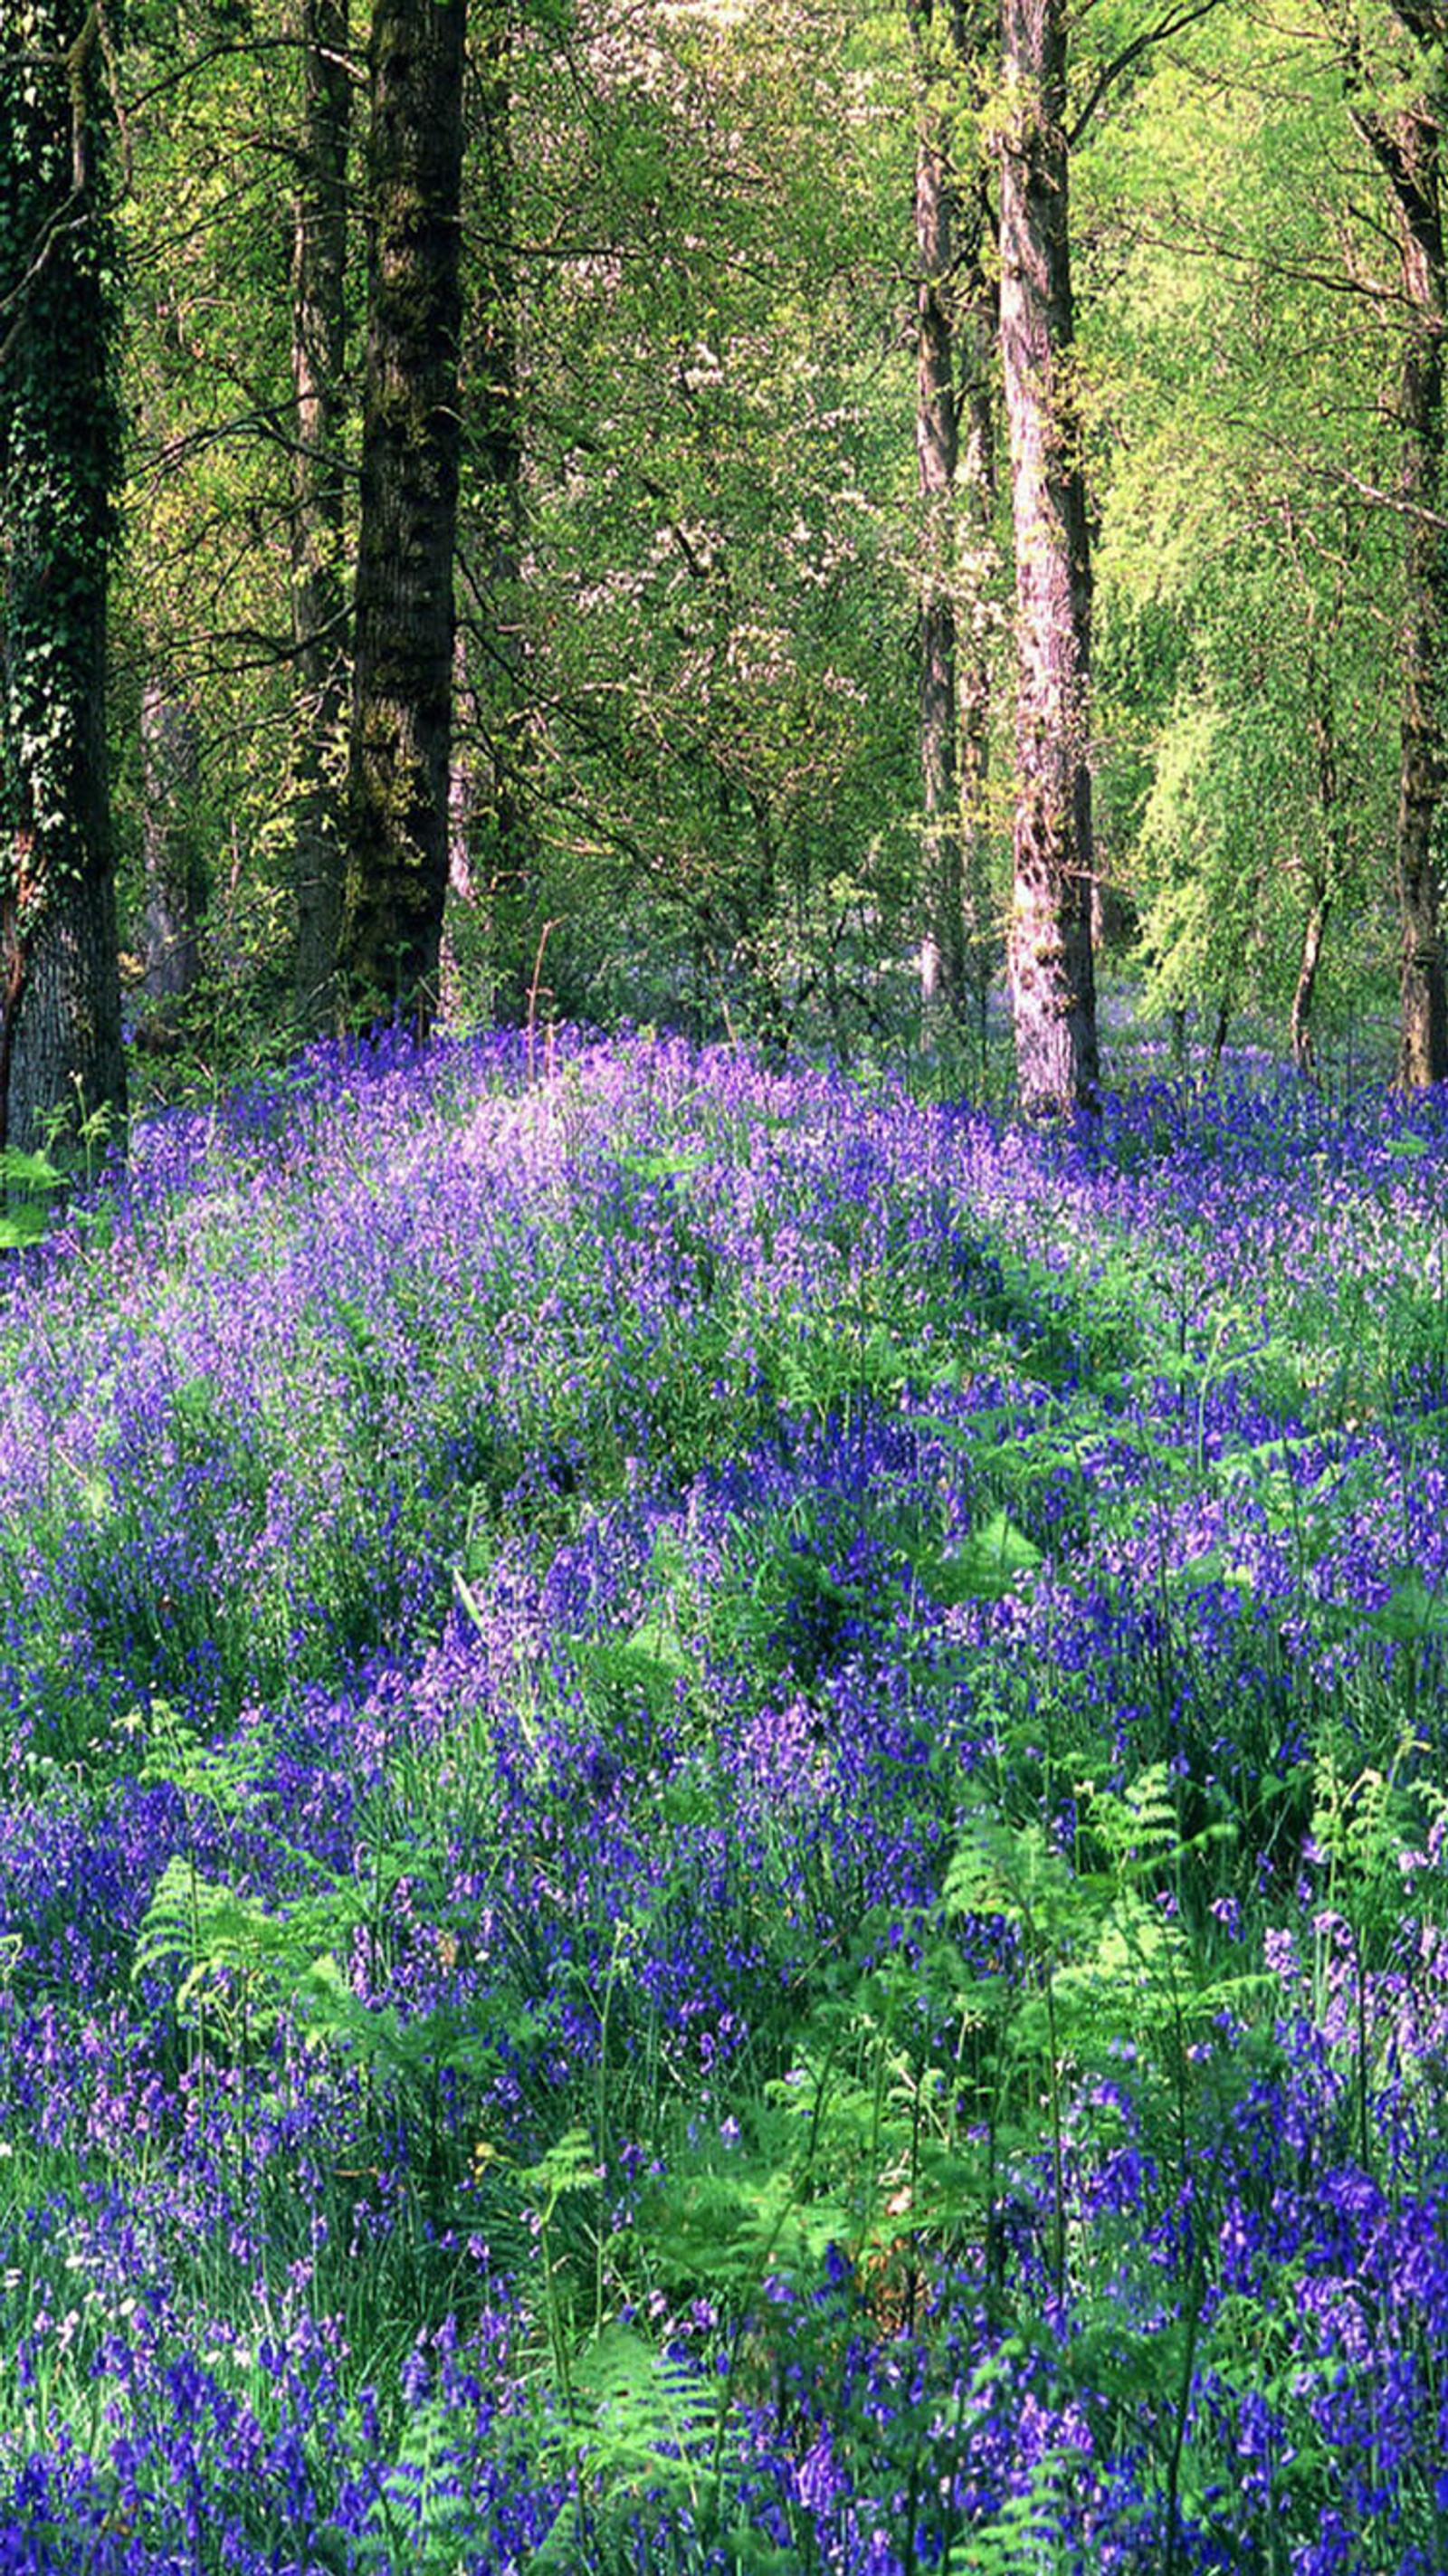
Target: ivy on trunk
60, 1018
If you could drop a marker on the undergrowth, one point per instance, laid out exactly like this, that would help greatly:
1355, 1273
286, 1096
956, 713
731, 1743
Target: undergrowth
725, 1843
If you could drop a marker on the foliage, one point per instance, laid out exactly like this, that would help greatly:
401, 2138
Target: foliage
726, 1828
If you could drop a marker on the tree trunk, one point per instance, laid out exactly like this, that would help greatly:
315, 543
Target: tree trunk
1325, 871
174, 876
61, 1059
1052, 974
68, 1065
318, 541
942, 961
977, 339
397, 860
1314, 931
955, 331
1404, 141
1423, 1001
489, 850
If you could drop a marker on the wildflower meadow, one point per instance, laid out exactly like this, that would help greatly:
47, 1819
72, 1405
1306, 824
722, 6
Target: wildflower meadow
725, 1831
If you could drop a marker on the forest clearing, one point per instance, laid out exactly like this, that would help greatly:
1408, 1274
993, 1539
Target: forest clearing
724, 1831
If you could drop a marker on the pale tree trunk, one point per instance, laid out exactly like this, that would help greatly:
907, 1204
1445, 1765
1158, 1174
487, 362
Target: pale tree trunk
61, 1059
171, 858
1052, 973
319, 598
1314, 932
397, 859
455, 955
1323, 872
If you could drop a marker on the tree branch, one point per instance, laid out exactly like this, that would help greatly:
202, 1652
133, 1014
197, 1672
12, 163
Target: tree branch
1175, 23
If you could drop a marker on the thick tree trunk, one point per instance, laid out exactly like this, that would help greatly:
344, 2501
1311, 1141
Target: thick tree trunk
319, 597
397, 860
171, 857
1052, 975
61, 1059
68, 1065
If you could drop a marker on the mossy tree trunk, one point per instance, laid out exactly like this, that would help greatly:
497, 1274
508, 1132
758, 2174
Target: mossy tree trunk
397, 804
61, 1058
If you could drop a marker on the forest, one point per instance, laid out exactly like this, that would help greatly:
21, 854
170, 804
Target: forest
723, 1289
797, 522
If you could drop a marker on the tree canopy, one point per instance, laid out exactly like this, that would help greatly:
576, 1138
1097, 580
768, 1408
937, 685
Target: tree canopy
910, 502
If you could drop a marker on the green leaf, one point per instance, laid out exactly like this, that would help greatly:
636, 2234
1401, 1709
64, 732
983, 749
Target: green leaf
990, 1564
29, 1171
1212, 1566
21, 1227
1412, 1613
656, 1642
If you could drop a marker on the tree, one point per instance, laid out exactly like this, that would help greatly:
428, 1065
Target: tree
60, 1020
489, 867
956, 323
1404, 136
1245, 579
1052, 974
397, 858
319, 532
234, 567
174, 865
722, 536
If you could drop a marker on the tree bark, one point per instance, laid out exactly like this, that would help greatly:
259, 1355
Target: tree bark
171, 858
318, 535
1052, 973
61, 1058
397, 860
1314, 933
1325, 869
68, 1066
